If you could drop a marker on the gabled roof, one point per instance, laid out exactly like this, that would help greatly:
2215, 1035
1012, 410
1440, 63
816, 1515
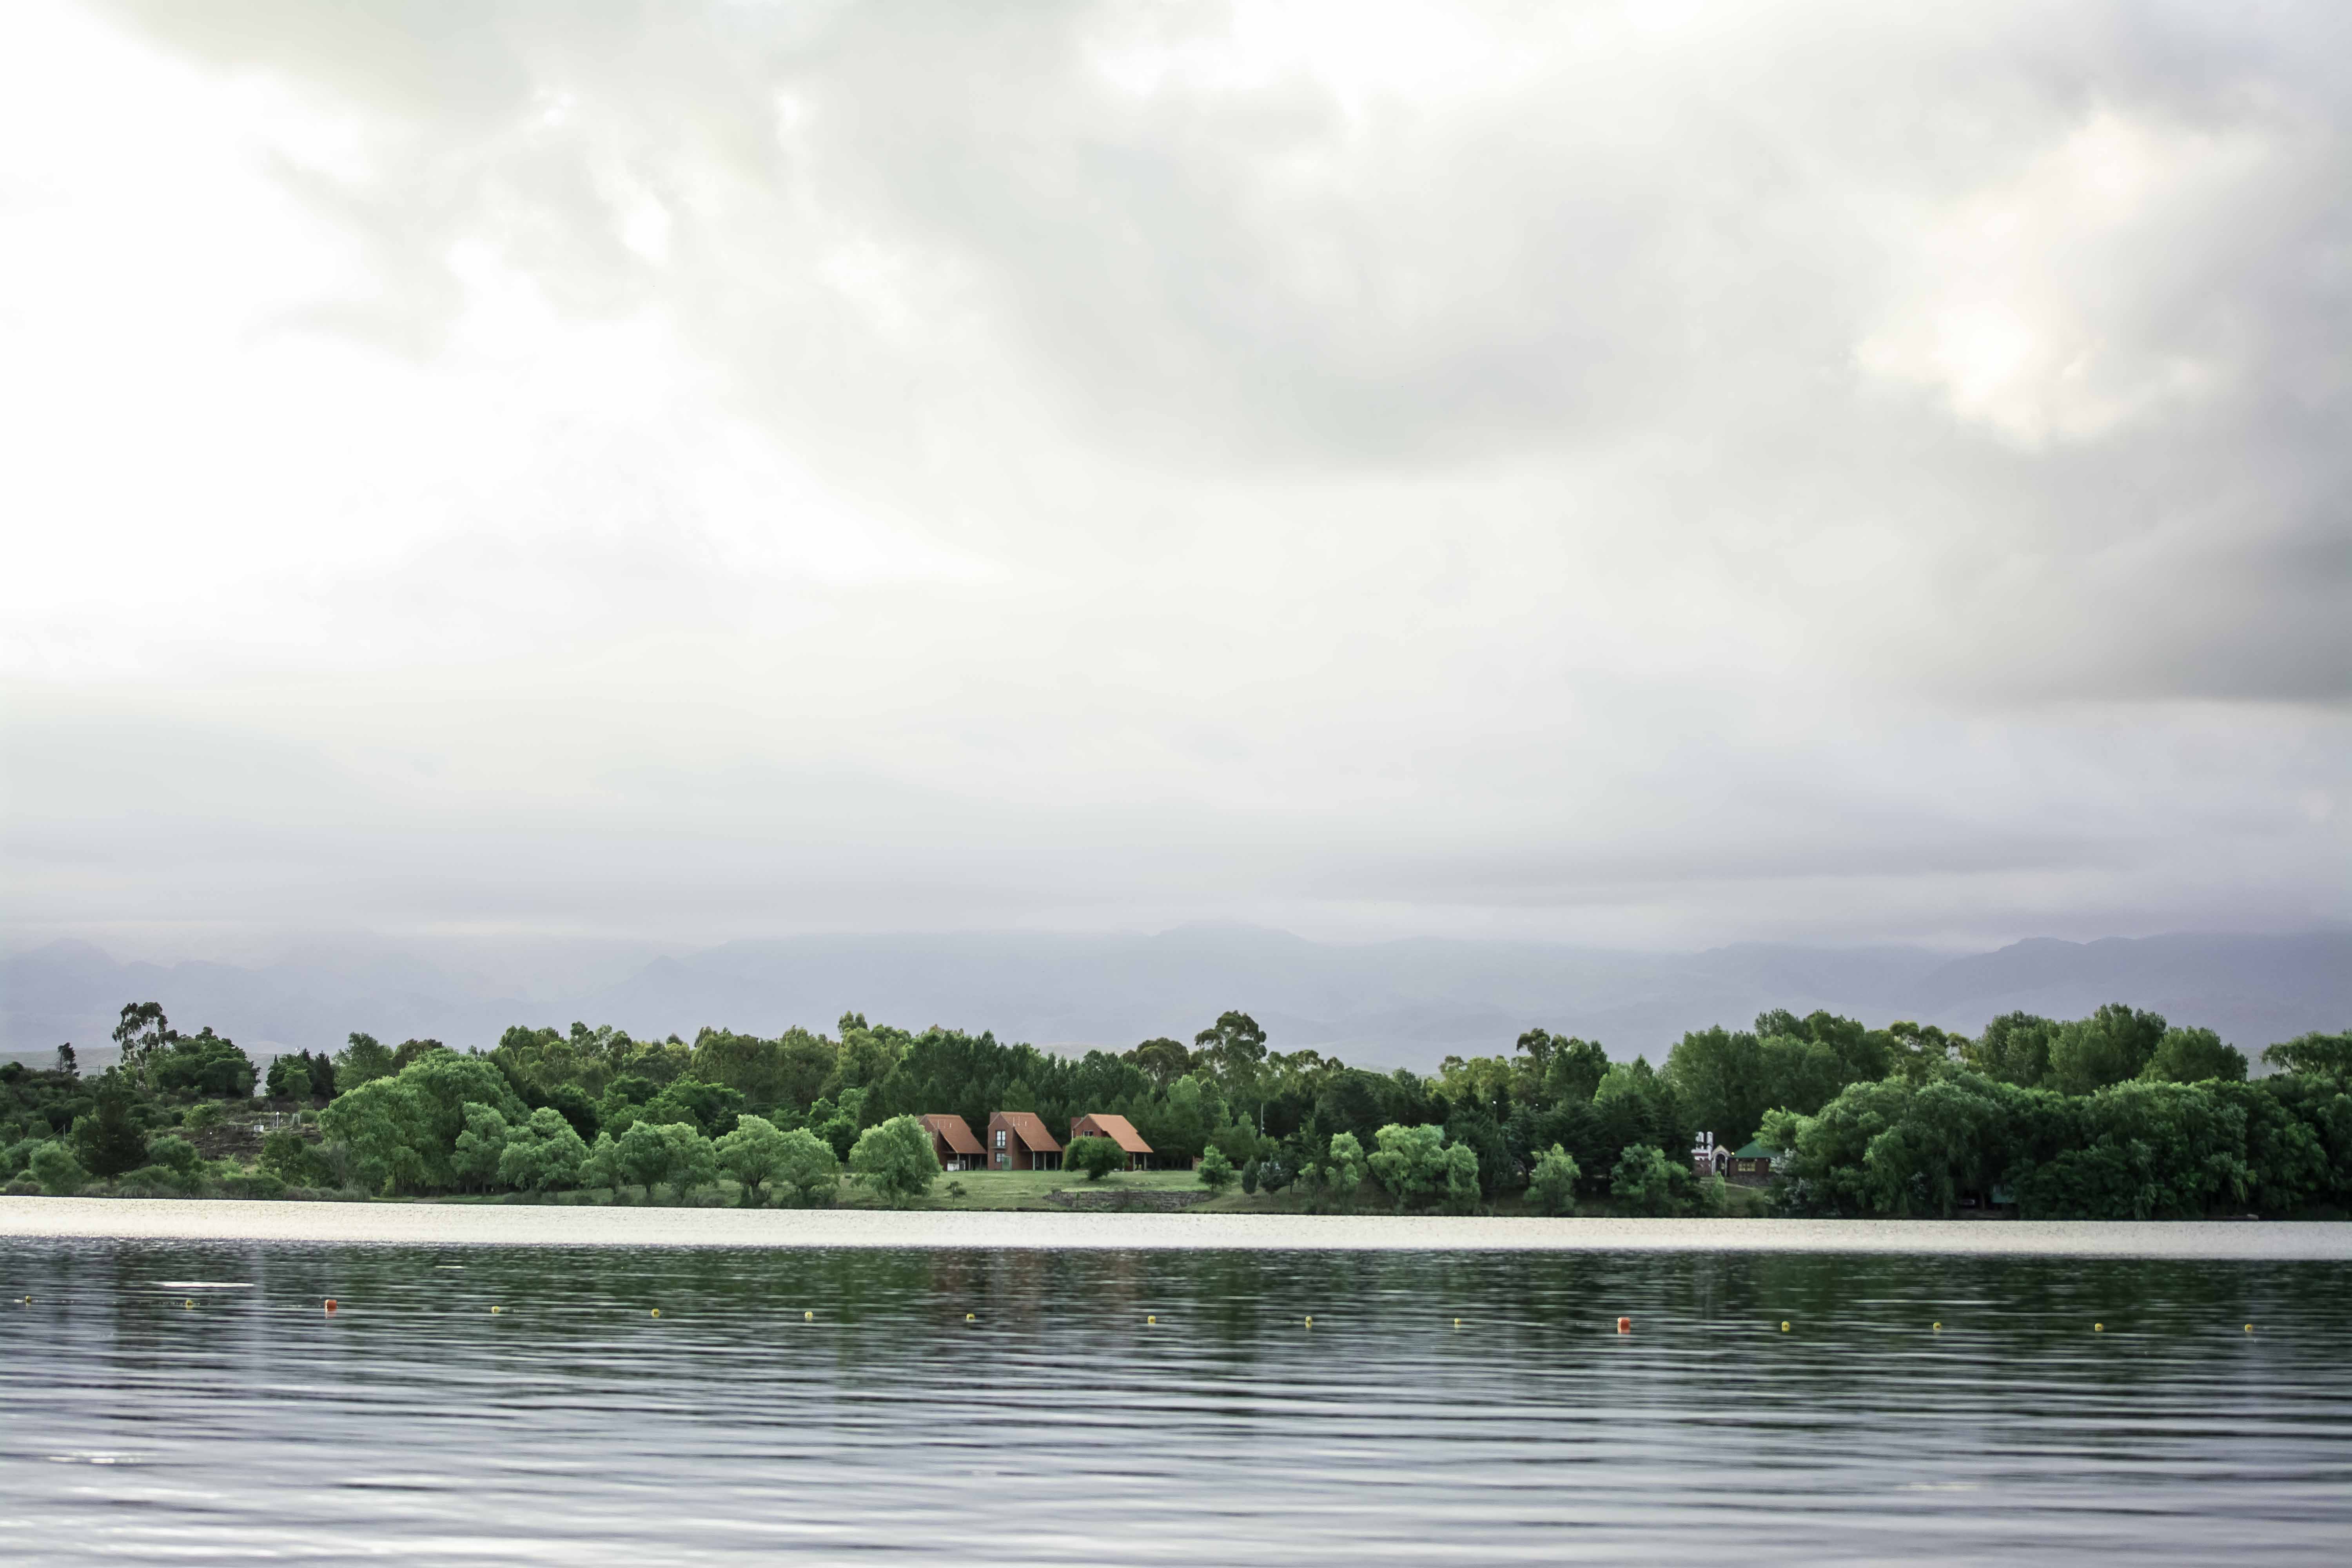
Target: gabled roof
1028, 1129
1757, 1152
956, 1131
1117, 1129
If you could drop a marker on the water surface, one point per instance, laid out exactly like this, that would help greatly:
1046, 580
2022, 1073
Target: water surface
1057, 1424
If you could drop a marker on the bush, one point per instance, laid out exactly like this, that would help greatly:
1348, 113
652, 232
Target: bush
1216, 1171
290, 1157
1097, 1157
203, 1114
23, 1186
543, 1154
1344, 1168
1650, 1181
54, 1167
1250, 1174
253, 1184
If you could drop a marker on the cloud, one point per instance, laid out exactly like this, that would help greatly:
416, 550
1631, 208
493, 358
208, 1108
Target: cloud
1688, 468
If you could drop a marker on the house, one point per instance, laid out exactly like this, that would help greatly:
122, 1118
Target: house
1017, 1140
953, 1142
1751, 1164
1710, 1158
1120, 1131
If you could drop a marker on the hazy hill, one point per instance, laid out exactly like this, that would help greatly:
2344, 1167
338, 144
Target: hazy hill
1388, 1004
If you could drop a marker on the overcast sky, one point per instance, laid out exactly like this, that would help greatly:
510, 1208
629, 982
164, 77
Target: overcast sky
1649, 475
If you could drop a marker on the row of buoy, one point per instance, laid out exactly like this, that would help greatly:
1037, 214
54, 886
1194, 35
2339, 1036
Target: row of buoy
1624, 1325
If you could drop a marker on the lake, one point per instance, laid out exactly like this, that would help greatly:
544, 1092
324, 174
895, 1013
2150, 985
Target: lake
833, 1404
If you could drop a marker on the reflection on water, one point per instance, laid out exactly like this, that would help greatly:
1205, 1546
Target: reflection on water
1059, 1424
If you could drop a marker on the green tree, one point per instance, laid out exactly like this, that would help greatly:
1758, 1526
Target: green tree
2013, 1049
289, 1156
2193, 1056
1551, 1186
2111, 1045
1345, 1168
139, 1034
753, 1153
1235, 1047
603, 1167
288, 1079
1410, 1161
363, 1060
1251, 1171
695, 1161
203, 1063
1097, 1157
2315, 1054
1216, 1171
895, 1159
545, 1153
478, 1148
1458, 1169
1165, 1061
382, 1127
1651, 1180
176, 1155
54, 1167
647, 1157
807, 1164
107, 1141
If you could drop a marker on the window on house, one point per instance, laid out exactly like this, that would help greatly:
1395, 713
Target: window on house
1000, 1137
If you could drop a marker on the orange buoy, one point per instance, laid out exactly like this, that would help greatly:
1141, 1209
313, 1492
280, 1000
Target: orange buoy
331, 1305
1624, 1325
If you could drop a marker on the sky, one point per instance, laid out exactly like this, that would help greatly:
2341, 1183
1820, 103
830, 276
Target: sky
1640, 475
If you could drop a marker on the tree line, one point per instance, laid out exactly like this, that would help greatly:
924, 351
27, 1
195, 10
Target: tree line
2116, 1115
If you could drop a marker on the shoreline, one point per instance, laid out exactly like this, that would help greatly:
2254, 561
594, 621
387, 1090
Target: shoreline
198, 1220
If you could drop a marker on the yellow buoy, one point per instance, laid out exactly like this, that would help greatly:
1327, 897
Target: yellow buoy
968, 1317
2250, 1328
1939, 1328
494, 1311
2098, 1328
808, 1317
189, 1302
1784, 1325
1310, 1319
656, 1311
1458, 1322
1155, 1320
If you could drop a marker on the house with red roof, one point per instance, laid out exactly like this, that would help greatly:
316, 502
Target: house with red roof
953, 1143
1017, 1140
1120, 1131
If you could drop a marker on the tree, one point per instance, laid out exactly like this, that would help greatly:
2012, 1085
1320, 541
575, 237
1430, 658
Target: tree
363, 1060
478, 1148
895, 1159
107, 1141
694, 1161
603, 1167
141, 1033
1409, 1162
543, 1155
289, 1156
807, 1164
409, 1052
753, 1153
67, 1063
1097, 1157
1344, 1167
2013, 1049
1216, 1171
1250, 1172
54, 1167
2314, 1056
290, 1078
1165, 1061
383, 1128
646, 1156
1458, 1168
2113, 1044
1234, 1048
1649, 1179
1551, 1186
203, 1063
2193, 1056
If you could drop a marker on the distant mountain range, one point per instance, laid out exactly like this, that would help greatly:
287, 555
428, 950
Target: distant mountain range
1383, 1005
